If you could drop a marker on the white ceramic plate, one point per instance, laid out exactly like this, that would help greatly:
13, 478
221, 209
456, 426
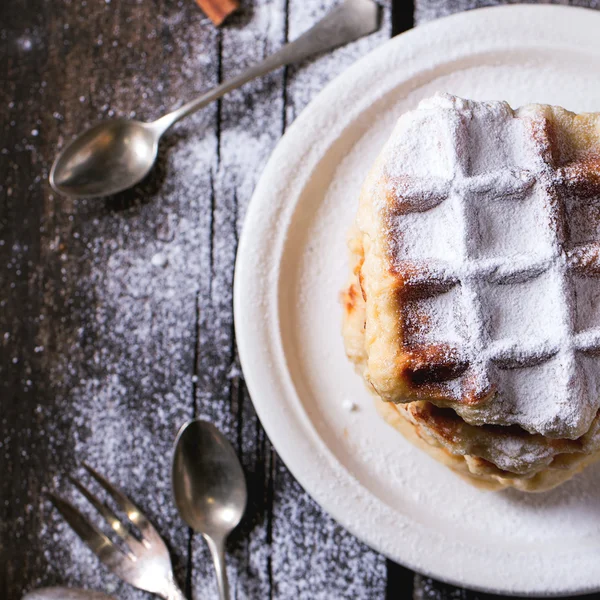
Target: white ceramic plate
292, 263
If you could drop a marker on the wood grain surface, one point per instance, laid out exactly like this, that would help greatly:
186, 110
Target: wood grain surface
116, 320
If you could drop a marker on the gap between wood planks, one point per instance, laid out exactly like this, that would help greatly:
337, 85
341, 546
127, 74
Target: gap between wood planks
400, 580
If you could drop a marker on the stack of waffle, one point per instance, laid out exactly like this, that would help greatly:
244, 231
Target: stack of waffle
473, 308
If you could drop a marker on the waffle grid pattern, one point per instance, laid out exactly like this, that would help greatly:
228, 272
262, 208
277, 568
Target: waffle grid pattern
504, 271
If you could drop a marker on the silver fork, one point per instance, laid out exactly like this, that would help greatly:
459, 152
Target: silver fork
145, 563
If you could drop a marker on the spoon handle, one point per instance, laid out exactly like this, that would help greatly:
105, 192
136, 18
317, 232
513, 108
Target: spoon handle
349, 21
217, 549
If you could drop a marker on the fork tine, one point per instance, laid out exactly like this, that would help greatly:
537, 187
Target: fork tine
99, 544
110, 517
134, 514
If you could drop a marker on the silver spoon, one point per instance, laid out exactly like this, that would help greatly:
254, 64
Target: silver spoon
209, 489
64, 593
114, 155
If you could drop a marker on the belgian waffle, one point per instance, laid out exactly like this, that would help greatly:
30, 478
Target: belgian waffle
474, 305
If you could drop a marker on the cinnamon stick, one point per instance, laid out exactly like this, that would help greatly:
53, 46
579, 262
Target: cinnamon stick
218, 10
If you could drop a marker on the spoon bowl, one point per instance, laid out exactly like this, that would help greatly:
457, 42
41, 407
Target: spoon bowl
108, 158
209, 488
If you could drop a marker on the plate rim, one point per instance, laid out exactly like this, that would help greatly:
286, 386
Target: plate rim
260, 362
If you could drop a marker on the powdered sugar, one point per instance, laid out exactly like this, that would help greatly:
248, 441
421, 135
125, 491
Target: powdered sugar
349, 405
491, 226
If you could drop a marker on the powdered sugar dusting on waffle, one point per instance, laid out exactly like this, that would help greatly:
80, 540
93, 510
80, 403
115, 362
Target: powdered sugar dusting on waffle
478, 205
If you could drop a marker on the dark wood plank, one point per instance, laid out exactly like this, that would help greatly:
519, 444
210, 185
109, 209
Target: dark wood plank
20, 218
104, 335
403, 16
400, 580
250, 122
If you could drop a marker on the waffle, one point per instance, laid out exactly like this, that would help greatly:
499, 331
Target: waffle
472, 306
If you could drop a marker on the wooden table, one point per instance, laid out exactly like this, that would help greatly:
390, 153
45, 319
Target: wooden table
116, 322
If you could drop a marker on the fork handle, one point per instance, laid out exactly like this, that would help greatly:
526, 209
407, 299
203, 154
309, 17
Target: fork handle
217, 549
173, 592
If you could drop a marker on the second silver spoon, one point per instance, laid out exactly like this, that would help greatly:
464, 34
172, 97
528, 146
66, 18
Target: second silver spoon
115, 155
209, 488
